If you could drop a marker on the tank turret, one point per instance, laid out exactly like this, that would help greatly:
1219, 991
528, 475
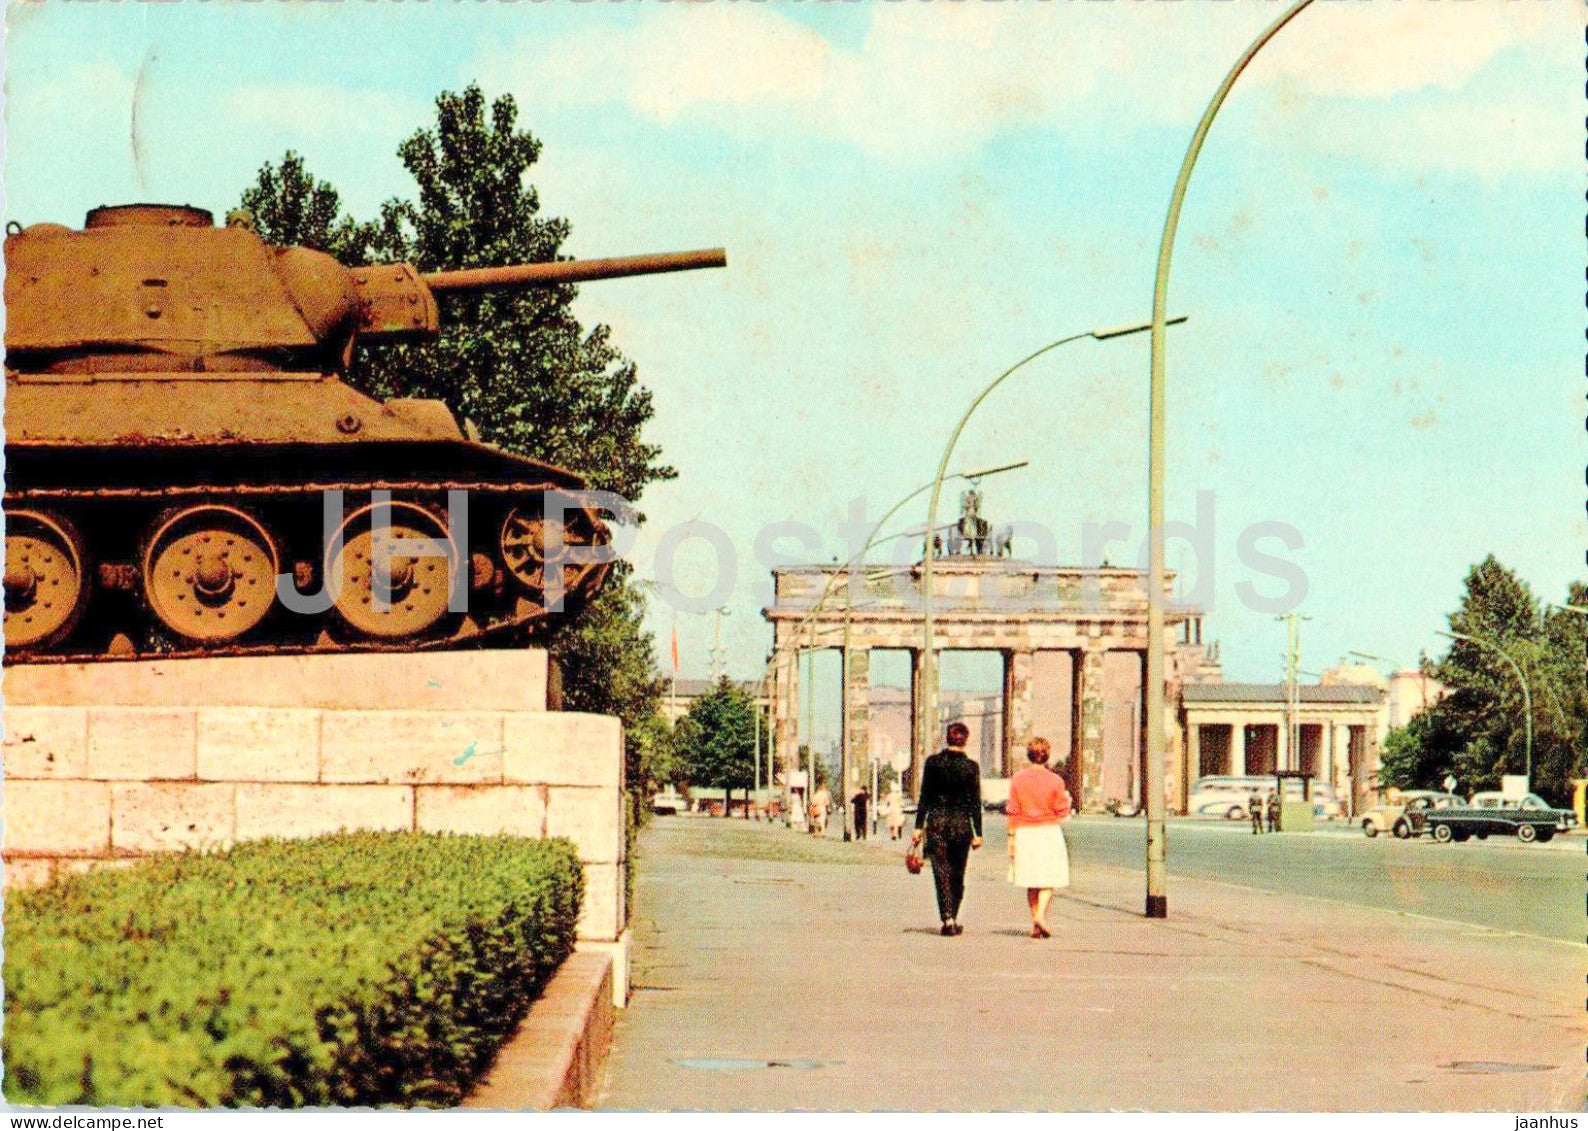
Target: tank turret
159, 287
188, 472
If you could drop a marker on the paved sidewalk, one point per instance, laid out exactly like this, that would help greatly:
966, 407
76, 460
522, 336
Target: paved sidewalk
774, 972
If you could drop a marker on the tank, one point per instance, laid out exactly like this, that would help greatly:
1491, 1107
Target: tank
189, 473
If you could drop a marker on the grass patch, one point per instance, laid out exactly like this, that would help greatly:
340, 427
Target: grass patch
362, 968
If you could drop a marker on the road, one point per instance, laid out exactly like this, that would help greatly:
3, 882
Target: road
1498, 885
774, 971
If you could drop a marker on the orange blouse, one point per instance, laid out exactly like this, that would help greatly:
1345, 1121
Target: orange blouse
1037, 796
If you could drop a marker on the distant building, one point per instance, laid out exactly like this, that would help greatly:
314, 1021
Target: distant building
1407, 693
677, 699
982, 712
1243, 728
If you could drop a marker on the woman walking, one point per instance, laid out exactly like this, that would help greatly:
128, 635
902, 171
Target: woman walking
1038, 858
893, 813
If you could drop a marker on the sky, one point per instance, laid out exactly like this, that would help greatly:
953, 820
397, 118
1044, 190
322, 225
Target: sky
1381, 256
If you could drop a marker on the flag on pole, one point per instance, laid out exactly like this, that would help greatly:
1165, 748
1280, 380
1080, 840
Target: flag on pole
675, 649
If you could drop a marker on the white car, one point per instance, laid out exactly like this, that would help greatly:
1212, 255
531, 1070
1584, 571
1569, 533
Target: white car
1390, 816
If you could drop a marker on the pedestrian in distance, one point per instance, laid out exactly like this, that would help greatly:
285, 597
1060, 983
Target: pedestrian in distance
948, 816
862, 807
821, 806
1273, 812
1254, 805
893, 813
1038, 858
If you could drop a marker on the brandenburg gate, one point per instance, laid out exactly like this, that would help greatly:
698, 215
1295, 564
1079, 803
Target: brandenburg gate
1062, 633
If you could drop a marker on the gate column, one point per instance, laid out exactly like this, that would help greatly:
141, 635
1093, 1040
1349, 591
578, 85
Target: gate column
1017, 707
1088, 730
857, 720
785, 714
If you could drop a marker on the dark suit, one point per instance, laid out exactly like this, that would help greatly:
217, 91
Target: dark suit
950, 811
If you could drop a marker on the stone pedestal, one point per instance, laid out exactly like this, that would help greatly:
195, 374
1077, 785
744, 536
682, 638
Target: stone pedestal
107, 763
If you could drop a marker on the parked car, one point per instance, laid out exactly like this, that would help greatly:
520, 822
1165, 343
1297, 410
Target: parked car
668, 804
1326, 803
1528, 818
1390, 816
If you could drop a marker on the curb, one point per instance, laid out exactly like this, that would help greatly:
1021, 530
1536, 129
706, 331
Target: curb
620, 951
555, 1057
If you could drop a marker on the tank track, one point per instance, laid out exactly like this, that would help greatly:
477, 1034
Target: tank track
118, 622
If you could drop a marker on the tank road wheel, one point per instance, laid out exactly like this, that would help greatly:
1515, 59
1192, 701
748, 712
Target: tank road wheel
209, 573
45, 583
524, 550
391, 570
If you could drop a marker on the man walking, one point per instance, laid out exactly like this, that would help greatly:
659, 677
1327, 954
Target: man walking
862, 806
1254, 805
1273, 812
949, 818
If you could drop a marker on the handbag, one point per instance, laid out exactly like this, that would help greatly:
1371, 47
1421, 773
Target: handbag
913, 861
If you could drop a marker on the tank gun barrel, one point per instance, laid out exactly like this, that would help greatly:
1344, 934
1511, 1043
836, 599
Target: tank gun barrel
476, 279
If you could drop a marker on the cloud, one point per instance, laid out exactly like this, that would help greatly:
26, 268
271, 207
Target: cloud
924, 81
1511, 133
1475, 88
929, 81
78, 89
1380, 50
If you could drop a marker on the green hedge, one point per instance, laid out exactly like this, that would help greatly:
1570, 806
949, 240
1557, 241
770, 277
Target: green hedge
362, 968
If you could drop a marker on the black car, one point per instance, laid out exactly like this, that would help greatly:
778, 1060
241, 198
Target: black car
1527, 818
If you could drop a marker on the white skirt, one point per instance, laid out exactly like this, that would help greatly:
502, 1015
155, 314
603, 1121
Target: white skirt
1041, 858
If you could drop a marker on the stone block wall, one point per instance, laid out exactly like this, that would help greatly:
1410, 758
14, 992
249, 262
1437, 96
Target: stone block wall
103, 784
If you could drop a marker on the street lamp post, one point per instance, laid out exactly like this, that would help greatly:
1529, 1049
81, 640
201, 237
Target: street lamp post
1527, 695
1157, 847
719, 666
810, 726
844, 751
1292, 690
762, 700
926, 724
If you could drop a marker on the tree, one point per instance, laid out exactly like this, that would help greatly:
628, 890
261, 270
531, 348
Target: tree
1419, 754
1478, 731
605, 654
717, 740
290, 207
520, 366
